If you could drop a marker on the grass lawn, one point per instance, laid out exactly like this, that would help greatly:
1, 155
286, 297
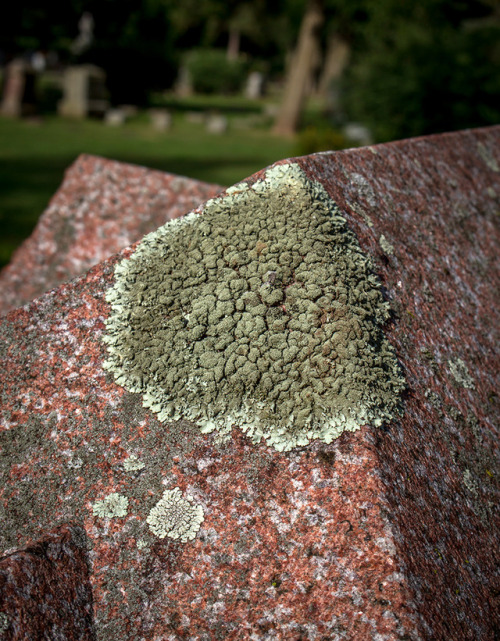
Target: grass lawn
33, 157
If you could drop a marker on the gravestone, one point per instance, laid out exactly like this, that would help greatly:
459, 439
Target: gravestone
18, 96
357, 133
217, 124
84, 92
254, 88
196, 117
101, 207
207, 527
184, 83
115, 117
161, 119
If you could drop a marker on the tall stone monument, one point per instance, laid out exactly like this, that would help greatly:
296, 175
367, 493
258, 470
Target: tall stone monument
84, 92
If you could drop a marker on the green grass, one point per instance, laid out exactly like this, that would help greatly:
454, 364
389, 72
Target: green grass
225, 104
33, 157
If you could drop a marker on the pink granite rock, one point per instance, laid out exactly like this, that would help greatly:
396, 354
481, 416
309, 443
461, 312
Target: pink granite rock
385, 534
101, 207
45, 592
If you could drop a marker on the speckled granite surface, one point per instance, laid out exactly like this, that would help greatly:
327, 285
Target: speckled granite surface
101, 207
386, 533
45, 592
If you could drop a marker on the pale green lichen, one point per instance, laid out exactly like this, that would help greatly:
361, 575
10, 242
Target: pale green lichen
263, 312
470, 482
460, 373
175, 516
4, 622
113, 505
387, 248
133, 464
488, 157
359, 210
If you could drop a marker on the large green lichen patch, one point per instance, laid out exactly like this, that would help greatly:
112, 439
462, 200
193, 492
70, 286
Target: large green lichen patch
263, 312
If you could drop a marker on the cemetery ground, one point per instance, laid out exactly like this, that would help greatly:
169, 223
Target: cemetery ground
35, 153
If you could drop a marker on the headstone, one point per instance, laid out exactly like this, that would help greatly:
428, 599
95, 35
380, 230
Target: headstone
196, 117
389, 531
271, 110
184, 84
18, 98
217, 124
357, 133
255, 85
101, 207
115, 117
129, 110
84, 92
39, 61
161, 119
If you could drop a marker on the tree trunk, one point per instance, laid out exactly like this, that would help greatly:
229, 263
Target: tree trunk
233, 45
299, 75
336, 59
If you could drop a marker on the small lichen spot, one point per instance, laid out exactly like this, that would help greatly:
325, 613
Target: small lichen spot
262, 313
132, 464
175, 516
470, 482
488, 157
113, 505
4, 622
387, 248
460, 373
141, 544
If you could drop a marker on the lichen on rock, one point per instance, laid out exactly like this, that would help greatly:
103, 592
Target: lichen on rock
4, 622
175, 516
133, 464
387, 248
263, 313
460, 373
113, 505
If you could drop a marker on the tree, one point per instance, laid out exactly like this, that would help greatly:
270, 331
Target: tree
301, 69
425, 67
254, 27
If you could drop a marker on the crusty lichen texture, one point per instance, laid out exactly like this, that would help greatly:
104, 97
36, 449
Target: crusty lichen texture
4, 622
175, 516
262, 313
460, 373
113, 505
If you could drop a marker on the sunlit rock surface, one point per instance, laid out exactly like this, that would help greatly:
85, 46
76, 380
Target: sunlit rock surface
388, 532
101, 207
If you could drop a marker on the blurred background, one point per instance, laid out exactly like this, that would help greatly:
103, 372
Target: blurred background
216, 90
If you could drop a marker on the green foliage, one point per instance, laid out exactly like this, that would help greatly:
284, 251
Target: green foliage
211, 71
134, 45
426, 67
31, 25
313, 139
49, 93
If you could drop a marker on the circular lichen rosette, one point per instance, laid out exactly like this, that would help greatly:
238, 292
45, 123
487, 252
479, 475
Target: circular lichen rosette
262, 313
